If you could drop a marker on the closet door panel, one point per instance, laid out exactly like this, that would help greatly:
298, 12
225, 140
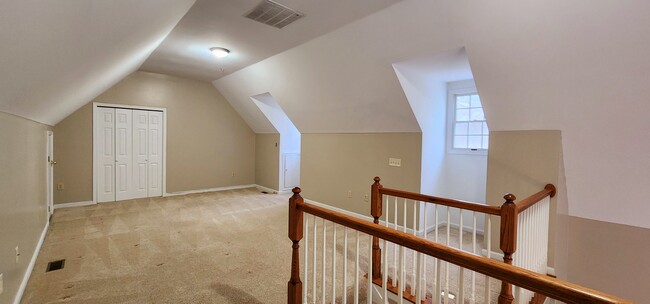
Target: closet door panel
140, 132
123, 154
155, 157
105, 154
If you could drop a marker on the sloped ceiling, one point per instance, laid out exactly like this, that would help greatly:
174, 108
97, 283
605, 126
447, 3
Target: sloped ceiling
55, 56
576, 66
221, 23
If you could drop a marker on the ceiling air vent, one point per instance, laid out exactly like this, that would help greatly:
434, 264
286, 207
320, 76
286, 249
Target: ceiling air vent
273, 14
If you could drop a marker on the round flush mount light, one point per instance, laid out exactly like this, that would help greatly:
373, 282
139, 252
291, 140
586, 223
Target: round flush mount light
219, 52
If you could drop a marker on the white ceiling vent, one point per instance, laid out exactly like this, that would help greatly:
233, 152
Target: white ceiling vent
274, 14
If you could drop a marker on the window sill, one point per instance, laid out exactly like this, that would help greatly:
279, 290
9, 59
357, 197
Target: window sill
478, 152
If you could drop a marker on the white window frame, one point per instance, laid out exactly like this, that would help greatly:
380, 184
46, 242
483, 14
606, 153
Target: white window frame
465, 87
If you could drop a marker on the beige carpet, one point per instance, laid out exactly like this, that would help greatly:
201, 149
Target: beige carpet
220, 247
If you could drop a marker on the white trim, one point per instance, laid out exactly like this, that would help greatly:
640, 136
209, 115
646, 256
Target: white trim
75, 204
462, 87
164, 141
30, 267
269, 190
209, 190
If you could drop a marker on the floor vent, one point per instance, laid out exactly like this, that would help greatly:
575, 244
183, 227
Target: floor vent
55, 265
273, 14
265, 192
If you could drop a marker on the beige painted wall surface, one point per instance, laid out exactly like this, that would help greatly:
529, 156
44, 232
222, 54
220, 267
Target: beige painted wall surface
522, 163
206, 139
610, 257
267, 160
333, 164
22, 196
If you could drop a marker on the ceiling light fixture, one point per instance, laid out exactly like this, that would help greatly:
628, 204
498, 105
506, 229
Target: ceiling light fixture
219, 52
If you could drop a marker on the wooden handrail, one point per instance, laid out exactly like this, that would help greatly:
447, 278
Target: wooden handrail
526, 203
494, 210
551, 287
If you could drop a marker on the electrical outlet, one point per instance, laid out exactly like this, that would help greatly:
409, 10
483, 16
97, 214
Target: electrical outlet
232, 173
349, 193
2, 283
17, 254
365, 197
395, 162
60, 186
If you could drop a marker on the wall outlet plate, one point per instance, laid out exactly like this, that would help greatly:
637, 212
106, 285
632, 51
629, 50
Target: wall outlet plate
395, 162
17, 254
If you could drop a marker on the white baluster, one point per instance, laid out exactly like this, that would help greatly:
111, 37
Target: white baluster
473, 299
395, 248
370, 269
488, 233
447, 264
418, 279
304, 292
438, 291
385, 274
461, 271
423, 287
324, 272
345, 265
313, 290
413, 252
400, 283
333, 262
356, 272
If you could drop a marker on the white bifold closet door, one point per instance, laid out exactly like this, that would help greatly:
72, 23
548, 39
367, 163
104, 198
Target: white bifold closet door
131, 149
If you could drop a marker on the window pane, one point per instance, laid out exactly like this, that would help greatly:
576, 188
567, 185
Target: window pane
476, 101
462, 102
486, 131
460, 142
486, 141
461, 128
475, 128
462, 115
474, 142
477, 114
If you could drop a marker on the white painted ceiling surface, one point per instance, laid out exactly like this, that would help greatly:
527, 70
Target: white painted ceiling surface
551, 65
221, 23
56, 56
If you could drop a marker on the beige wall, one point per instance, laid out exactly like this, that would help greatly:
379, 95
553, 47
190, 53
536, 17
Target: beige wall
333, 164
522, 163
610, 257
23, 196
267, 160
206, 139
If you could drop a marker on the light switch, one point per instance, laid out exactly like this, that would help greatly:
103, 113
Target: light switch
395, 162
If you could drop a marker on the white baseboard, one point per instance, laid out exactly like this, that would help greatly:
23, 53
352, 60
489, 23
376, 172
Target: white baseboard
209, 190
75, 204
30, 267
269, 190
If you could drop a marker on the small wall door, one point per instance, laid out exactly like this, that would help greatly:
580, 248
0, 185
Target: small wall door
291, 170
129, 153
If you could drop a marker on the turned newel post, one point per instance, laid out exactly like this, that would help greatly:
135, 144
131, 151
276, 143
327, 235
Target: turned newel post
508, 239
294, 295
375, 210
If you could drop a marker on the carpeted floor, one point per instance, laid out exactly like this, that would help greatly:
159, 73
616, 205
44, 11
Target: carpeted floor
219, 247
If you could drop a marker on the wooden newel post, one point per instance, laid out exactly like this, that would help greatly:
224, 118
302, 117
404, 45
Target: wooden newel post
294, 294
375, 210
508, 238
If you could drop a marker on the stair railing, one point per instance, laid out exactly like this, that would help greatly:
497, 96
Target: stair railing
520, 223
444, 256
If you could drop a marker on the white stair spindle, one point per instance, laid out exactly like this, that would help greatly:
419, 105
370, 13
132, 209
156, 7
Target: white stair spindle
413, 252
313, 290
356, 272
333, 262
345, 265
385, 274
395, 248
369, 269
324, 272
306, 245
447, 264
438, 291
400, 283
488, 233
473, 297
417, 285
423, 287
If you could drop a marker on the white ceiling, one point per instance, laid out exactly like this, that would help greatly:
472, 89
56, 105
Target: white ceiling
209, 23
56, 56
